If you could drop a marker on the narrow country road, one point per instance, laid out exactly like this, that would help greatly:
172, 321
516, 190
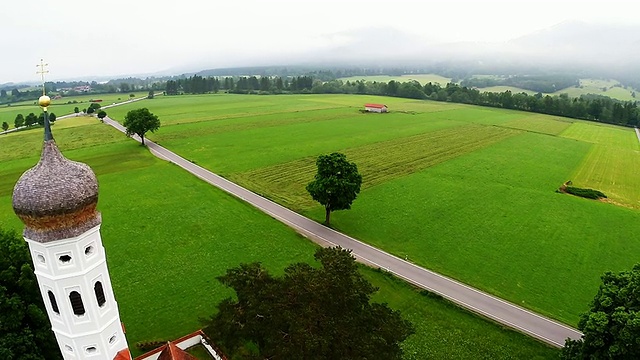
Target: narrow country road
638, 133
475, 300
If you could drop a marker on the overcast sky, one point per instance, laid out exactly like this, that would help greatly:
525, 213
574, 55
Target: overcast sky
81, 38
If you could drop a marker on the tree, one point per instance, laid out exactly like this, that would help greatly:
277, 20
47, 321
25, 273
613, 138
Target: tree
76, 110
140, 121
19, 121
611, 327
131, 96
308, 313
101, 115
26, 330
30, 119
5, 126
150, 95
336, 184
90, 110
52, 117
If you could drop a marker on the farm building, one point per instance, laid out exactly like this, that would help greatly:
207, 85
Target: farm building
379, 108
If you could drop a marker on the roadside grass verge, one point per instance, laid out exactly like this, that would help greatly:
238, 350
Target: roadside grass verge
378, 163
442, 333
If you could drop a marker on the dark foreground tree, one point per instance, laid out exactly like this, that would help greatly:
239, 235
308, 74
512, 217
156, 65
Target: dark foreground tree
140, 121
308, 313
611, 328
336, 184
102, 114
19, 121
5, 126
25, 331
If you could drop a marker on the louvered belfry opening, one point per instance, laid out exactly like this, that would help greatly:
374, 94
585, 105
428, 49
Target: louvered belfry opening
54, 304
76, 303
97, 288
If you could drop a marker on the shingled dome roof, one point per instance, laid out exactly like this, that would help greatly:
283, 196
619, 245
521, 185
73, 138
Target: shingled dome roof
56, 199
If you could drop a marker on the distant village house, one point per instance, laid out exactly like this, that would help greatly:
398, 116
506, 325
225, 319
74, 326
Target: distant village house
379, 108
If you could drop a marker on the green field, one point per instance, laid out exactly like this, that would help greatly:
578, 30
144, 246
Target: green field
62, 106
168, 235
613, 163
421, 78
501, 88
467, 191
610, 88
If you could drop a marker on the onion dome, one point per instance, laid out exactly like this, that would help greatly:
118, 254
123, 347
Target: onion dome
57, 198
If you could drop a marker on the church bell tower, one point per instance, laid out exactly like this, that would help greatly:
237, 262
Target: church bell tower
56, 200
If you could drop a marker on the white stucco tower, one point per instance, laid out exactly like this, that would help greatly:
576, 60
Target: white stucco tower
56, 200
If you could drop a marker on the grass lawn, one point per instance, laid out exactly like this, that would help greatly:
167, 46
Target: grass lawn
168, 235
438, 186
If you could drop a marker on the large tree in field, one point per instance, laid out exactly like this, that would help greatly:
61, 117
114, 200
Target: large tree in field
140, 121
19, 121
5, 126
25, 331
101, 115
308, 313
611, 327
336, 184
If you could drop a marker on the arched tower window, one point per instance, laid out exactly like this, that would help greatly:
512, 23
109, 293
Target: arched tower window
97, 288
54, 304
76, 303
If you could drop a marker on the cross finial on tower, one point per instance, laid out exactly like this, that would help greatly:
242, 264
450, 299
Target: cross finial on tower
42, 71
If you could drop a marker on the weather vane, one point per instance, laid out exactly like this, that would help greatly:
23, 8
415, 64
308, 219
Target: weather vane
42, 71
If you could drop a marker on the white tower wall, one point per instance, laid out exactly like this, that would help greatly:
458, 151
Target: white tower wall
70, 267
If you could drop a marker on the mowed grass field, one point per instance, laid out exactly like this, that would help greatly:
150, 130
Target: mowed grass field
467, 191
168, 235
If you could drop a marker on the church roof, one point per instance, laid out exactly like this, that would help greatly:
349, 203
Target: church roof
172, 352
123, 355
57, 198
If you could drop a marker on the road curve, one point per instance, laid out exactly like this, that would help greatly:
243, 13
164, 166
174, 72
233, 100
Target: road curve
501, 311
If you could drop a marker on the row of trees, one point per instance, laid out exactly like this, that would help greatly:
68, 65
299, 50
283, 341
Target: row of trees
29, 120
587, 107
244, 84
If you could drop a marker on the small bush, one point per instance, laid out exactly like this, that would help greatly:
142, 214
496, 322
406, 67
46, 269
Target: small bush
150, 345
585, 193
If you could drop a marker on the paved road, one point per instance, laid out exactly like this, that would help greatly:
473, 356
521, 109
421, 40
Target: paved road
494, 308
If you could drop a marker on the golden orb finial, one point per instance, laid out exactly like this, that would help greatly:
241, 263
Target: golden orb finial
44, 101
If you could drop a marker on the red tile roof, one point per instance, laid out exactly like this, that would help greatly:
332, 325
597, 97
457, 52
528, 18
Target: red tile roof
172, 352
377, 106
123, 355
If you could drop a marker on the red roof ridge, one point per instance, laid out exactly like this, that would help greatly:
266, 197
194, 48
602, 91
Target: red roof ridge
123, 354
173, 352
375, 105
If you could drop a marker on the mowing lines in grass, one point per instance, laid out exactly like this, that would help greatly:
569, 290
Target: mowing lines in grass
378, 163
607, 135
613, 171
543, 124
